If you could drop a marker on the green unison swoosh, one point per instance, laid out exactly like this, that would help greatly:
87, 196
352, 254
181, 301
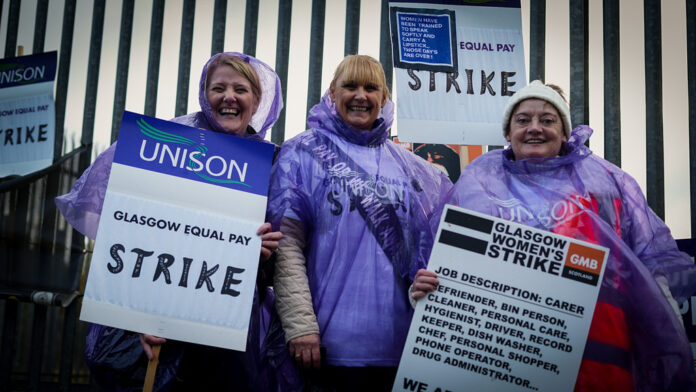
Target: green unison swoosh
157, 134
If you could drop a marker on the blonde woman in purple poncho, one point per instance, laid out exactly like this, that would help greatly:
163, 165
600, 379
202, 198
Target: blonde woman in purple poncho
239, 95
354, 210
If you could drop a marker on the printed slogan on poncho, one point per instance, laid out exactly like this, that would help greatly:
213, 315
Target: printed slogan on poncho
176, 253
455, 67
27, 113
512, 311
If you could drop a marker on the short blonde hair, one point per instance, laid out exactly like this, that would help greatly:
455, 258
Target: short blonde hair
361, 69
245, 69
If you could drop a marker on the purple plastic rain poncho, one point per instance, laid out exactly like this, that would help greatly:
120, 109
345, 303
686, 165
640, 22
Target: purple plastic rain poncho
635, 340
115, 354
364, 204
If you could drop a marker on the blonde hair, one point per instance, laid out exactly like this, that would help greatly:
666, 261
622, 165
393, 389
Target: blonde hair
245, 69
361, 69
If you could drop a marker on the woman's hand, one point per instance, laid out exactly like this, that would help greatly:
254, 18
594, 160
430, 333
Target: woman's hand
424, 282
305, 350
147, 341
269, 240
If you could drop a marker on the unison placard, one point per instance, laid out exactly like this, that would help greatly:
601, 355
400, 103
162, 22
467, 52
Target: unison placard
176, 253
27, 113
512, 310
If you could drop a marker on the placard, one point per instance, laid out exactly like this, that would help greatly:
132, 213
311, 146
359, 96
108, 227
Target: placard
512, 311
176, 252
27, 113
425, 38
461, 103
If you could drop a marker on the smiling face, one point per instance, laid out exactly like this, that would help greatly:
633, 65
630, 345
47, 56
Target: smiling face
536, 130
359, 90
231, 98
358, 104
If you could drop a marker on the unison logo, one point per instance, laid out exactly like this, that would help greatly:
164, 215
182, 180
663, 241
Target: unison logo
192, 157
19, 73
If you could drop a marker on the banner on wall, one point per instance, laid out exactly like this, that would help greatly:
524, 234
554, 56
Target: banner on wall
176, 252
27, 113
455, 65
512, 311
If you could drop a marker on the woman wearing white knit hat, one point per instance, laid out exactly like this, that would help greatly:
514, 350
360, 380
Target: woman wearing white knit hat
636, 339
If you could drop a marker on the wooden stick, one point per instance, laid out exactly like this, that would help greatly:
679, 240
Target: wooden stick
152, 369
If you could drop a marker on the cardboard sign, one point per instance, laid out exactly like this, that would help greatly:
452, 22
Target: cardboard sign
27, 113
458, 99
512, 311
176, 253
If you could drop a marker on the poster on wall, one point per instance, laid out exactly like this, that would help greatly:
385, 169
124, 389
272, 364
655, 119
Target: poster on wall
176, 252
27, 113
448, 158
455, 65
511, 313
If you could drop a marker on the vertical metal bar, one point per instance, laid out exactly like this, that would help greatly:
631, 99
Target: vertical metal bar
38, 330
537, 40
612, 83
182, 85
385, 49
124, 45
579, 63
316, 52
219, 14
653, 105
68, 339
352, 27
63, 73
153, 60
12, 27
691, 82
8, 349
40, 26
95, 45
251, 23
281, 65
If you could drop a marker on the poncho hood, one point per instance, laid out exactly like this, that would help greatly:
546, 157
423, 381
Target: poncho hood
324, 115
269, 107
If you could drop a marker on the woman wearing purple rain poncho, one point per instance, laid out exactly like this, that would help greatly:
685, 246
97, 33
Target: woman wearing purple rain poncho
354, 208
550, 180
238, 95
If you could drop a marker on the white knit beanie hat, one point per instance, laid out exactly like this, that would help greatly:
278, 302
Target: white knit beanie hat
537, 89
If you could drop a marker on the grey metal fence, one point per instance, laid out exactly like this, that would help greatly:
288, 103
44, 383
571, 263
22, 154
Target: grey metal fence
42, 340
